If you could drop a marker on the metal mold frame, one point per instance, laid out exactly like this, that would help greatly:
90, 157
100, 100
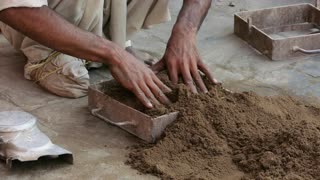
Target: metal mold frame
254, 28
116, 113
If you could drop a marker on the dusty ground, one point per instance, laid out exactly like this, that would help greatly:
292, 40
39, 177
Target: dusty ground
222, 135
100, 148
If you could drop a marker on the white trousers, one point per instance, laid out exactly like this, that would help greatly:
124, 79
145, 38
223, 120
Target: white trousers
117, 20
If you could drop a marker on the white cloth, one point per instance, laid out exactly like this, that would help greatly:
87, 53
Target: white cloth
4, 4
118, 20
63, 75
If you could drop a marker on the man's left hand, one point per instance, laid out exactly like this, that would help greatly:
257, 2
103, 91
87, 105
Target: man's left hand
182, 58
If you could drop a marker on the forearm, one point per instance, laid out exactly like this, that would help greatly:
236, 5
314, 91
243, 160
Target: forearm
49, 29
191, 16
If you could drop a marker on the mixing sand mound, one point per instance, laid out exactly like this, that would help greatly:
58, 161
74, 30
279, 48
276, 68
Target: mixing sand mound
222, 135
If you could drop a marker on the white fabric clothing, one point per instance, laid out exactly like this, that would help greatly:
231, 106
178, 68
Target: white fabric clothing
116, 20
4, 4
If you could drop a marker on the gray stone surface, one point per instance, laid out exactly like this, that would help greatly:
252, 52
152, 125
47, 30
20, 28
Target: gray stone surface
99, 148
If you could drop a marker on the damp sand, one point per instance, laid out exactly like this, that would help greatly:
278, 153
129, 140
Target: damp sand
223, 135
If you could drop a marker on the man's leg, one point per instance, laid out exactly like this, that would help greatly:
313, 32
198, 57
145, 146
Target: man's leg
87, 15
142, 14
60, 74
126, 17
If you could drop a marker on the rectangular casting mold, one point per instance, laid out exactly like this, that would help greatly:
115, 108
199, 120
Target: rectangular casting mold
135, 122
281, 33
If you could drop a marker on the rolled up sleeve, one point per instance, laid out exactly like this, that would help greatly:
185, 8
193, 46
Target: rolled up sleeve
4, 4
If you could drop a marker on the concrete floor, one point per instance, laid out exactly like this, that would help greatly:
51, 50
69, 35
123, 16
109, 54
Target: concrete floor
99, 148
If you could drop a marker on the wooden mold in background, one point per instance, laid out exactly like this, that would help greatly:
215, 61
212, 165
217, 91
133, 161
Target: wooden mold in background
281, 33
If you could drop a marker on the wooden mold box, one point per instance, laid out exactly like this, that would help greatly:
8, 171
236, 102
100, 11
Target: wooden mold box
281, 33
116, 113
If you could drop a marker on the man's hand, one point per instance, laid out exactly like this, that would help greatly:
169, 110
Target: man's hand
182, 56
50, 29
139, 79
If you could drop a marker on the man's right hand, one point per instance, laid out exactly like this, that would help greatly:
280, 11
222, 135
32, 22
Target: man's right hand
138, 78
40, 24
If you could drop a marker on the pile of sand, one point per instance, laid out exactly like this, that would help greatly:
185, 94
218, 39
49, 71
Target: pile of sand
223, 135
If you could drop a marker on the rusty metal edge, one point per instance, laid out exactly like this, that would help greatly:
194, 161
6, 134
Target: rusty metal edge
149, 134
241, 29
96, 88
67, 157
271, 8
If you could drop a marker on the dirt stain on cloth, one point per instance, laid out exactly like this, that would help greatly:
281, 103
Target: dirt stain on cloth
223, 135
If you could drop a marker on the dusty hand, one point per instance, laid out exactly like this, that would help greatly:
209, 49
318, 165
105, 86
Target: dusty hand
139, 79
182, 57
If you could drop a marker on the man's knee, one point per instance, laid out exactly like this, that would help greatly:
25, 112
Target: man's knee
63, 75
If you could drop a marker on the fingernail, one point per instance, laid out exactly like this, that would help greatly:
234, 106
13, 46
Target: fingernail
215, 81
228, 90
169, 90
195, 91
168, 101
150, 105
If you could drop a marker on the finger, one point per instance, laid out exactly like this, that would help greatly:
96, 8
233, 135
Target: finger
159, 66
203, 68
149, 94
197, 78
151, 61
142, 97
161, 85
188, 79
158, 93
173, 73
229, 91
